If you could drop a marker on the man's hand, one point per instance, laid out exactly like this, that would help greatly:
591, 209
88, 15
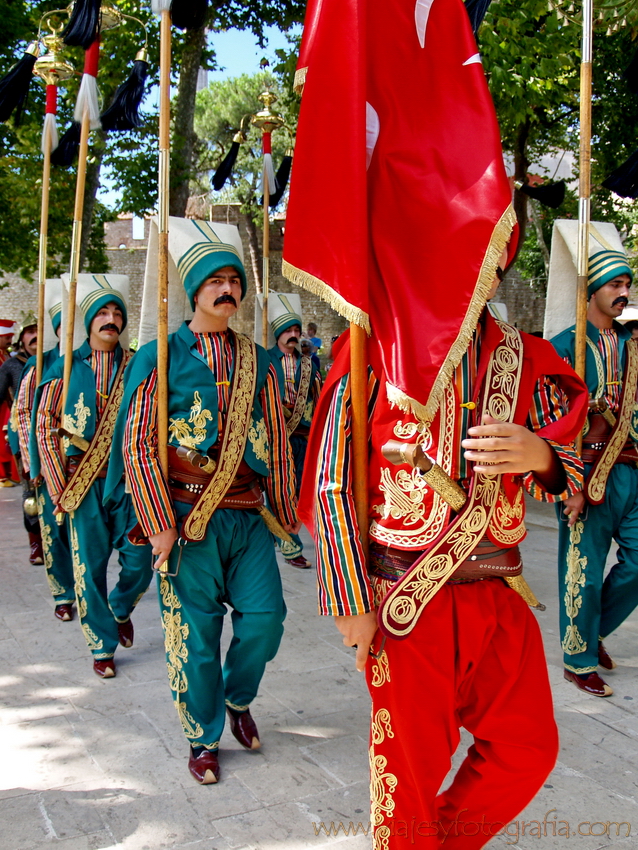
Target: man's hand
504, 448
162, 544
573, 507
292, 527
358, 630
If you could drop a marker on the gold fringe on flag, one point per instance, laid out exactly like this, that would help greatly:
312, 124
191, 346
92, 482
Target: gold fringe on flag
318, 287
426, 412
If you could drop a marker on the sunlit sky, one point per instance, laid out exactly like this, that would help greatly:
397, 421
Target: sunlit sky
237, 53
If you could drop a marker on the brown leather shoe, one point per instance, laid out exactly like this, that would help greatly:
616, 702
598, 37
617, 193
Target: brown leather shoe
126, 633
36, 556
64, 612
590, 684
204, 768
244, 729
300, 562
105, 668
604, 658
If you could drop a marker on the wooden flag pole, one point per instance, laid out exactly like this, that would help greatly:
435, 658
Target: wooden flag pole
162, 248
359, 403
42, 256
584, 192
76, 241
265, 275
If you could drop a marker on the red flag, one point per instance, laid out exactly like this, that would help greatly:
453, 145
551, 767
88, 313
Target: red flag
399, 202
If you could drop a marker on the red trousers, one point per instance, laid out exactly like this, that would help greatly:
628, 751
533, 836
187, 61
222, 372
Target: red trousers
475, 659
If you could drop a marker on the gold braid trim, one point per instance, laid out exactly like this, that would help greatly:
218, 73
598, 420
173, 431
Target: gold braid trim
302, 395
300, 79
97, 454
426, 412
327, 293
240, 407
597, 481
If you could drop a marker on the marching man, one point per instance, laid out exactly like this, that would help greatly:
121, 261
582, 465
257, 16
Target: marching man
300, 385
606, 508
207, 522
74, 469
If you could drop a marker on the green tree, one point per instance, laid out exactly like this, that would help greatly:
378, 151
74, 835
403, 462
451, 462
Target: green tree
218, 116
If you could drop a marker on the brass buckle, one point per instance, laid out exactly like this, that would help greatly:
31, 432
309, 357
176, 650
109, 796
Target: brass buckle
164, 571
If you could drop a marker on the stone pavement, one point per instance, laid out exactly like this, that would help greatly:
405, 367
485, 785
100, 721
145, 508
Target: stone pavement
88, 764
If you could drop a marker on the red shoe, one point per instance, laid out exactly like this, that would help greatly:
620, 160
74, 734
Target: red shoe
64, 612
204, 768
126, 633
244, 729
300, 562
105, 669
604, 658
36, 556
590, 684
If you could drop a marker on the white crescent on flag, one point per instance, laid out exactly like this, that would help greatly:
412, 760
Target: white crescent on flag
421, 15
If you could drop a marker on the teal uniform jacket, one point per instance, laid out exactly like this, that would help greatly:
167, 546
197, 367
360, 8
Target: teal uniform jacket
276, 355
192, 403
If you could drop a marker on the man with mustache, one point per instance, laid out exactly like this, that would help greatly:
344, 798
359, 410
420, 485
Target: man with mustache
74, 470
205, 518
54, 536
299, 385
607, 508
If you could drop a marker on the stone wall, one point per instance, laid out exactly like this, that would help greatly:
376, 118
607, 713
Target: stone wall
127, 255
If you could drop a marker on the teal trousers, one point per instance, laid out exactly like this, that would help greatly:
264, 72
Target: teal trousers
55, 546
233, 566
590, 607
299, 446
94, 531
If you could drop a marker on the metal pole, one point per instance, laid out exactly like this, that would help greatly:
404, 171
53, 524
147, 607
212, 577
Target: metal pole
162, 256
42, 258
584, 190
265, 262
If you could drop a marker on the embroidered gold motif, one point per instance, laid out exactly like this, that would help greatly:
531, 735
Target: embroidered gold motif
403, 495
79, 571
181, 431
575, 578
259, 440
380, 670
308, 411
380, 726
503, 517
76, 424
382, 783
234, 440
406, 601
597, 480
175, 636
301, 400
97, 454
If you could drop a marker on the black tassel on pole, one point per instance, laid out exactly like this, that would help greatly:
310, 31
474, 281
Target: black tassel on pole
631, 74
550, 195
14, 86
123, 113
624, 180
225, 167
67, 150
83, 24
189, 14
281, 180
476, 10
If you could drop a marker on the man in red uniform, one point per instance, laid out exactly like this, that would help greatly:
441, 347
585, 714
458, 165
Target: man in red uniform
474, 658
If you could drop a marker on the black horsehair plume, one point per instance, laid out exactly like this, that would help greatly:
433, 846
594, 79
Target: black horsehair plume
14, 86
476, 10
189, 14
550, 195
225, 167
624, 180
281, 180
83, 24
67, 149
123, 113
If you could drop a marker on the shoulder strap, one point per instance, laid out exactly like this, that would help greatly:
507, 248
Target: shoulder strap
597, 479
96, 455
240, 408
302, 395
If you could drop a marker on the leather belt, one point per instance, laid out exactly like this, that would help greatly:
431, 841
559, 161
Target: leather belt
486, 561
592, 451
186, 484
72, 463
